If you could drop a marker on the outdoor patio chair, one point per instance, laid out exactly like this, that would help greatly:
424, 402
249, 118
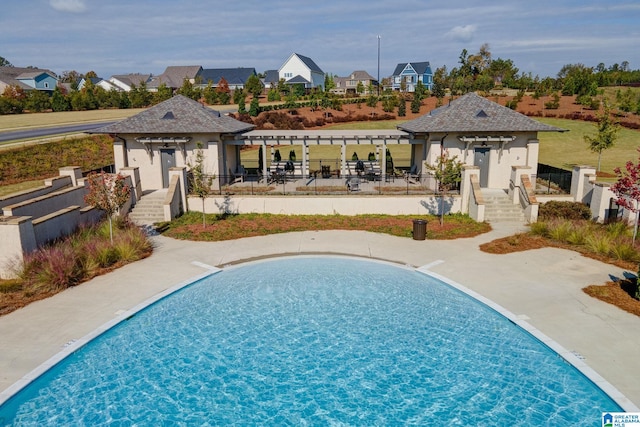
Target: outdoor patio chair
239, 175
412, 175
353, 184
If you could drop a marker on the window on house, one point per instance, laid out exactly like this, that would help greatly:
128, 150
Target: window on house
46, 85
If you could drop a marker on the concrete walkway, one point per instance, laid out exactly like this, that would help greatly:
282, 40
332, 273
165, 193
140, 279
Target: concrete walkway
541, 286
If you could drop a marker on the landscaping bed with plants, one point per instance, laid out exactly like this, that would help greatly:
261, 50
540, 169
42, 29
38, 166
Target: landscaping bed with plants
73, 260
226, 227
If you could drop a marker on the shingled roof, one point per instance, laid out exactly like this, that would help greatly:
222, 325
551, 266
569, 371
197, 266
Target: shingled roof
474, 113
178, 115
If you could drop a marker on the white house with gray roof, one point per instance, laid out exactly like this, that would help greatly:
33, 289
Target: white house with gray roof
299, 69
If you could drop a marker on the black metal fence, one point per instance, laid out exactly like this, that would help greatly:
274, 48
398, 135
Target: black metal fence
284, 183
552, 180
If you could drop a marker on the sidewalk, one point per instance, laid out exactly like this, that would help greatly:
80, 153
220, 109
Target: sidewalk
541, 286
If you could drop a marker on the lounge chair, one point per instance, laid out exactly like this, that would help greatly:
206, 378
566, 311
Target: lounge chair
353, 184
412, 175
239, 175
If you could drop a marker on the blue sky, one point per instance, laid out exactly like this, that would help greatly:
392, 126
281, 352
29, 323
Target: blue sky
145, 36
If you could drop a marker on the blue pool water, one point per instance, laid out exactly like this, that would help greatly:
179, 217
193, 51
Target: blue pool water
313, 341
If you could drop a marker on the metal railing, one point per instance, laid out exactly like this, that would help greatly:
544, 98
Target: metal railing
284, 183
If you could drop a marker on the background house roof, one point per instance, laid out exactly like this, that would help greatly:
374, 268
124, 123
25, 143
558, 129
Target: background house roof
177, 116
298, 79
233, 76
419, 67
271, 76
309, 63
132, 79
174, 76
12, 75
474, 113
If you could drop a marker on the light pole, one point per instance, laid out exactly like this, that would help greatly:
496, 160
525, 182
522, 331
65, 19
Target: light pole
378, 65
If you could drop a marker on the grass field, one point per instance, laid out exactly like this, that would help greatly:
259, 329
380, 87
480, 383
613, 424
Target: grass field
567, 149
25, 121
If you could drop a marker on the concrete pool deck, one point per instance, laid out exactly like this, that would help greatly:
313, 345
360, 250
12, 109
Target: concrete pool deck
543, 287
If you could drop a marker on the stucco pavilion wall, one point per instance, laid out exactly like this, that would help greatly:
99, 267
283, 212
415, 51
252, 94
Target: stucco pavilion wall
330, 205
523, 151
150, 167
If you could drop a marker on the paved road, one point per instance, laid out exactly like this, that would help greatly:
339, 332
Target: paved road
56, 130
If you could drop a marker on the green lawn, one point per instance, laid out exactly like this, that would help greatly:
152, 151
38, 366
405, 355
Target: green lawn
567, 149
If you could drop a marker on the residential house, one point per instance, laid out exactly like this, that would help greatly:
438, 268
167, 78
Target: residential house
236, 77
407, 75
97, 82
300, 69
349, 85
166, 136
271, 79
27, 79
174, 77
124, 82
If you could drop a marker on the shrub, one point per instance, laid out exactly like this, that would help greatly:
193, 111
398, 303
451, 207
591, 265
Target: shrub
599, 243
540, 228
566, 210
625, 252
618, 229
560, 230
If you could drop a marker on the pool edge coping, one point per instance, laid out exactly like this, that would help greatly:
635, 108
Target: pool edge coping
74, 345
616, 395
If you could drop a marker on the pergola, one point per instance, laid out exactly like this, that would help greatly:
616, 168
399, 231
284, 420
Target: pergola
306, 138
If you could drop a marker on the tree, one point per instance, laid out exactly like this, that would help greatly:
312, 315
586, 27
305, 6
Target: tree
329, 82
108, 193
448, 174
360, 88
5, 63
37, 101
224, 93
253, 86
199, 181
627, 190
254, 107
415, 104
163, 93
607, 133
59, 102
402, 108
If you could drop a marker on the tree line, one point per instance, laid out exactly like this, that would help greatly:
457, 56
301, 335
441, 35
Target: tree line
475, 72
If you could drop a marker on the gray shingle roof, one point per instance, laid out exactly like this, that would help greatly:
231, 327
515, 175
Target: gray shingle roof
233, 76
177, 116
419, 67
309, 63
473, 113
174, 76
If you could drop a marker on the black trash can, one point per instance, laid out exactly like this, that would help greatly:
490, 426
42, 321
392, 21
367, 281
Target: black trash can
419, 229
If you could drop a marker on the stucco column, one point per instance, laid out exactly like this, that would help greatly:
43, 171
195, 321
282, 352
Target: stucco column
181, 173
465, 185
581, 175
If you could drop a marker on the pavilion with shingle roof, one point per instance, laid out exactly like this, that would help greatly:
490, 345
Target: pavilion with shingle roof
482, 133
178, 124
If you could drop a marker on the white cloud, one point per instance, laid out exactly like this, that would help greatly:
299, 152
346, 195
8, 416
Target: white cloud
73, 6
462, 34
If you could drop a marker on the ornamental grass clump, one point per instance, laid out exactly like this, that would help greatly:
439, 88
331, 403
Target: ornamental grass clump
81, 256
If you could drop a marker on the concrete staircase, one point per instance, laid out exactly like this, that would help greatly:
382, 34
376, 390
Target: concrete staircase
498, 207
149, 208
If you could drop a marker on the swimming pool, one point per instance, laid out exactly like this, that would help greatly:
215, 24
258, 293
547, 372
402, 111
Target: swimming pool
313, 340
